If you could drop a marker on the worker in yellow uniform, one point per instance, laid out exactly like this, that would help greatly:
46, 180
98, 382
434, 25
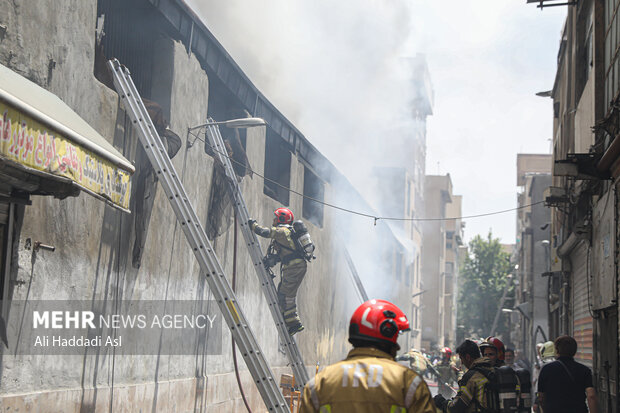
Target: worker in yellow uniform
473, 395
293, 265
369, 380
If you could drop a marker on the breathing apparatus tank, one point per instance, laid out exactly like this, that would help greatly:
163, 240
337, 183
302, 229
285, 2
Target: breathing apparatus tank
525, 383
507, 387
302, 240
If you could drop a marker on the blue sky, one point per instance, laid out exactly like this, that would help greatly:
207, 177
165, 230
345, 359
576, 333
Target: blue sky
330, 67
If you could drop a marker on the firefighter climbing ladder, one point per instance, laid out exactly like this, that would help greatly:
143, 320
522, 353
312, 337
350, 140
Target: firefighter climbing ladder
209, 264
290, 346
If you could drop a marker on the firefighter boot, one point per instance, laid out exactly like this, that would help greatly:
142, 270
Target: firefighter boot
293, 323
295, 328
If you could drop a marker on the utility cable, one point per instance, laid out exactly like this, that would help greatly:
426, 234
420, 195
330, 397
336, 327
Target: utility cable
376, 218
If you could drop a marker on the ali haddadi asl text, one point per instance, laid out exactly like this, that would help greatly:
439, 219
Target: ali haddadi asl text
77, 341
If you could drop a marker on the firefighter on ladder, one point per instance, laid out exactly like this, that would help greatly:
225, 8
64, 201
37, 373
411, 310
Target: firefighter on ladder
293, 266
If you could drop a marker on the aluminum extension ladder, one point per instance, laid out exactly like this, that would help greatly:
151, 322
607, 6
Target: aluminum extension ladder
209, 264
214, 139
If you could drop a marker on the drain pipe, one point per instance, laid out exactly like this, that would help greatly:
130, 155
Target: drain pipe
234, 346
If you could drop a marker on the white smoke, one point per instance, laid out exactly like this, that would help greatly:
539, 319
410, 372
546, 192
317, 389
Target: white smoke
336, 70
331, 67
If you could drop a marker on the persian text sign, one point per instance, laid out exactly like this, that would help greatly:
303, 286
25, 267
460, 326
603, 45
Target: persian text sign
28, 142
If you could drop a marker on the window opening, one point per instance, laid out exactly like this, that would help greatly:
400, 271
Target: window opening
134, 32
313, 188
223, 106
126, 31
277, 168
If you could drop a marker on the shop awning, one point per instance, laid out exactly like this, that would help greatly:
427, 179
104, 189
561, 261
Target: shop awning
41, 135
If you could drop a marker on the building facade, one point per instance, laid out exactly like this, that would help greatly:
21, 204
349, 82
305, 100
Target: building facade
583, 281
532, 255
440, 258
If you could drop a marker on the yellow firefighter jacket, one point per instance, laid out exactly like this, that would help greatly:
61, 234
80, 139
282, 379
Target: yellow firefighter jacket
367, 381
282, 241
473, 394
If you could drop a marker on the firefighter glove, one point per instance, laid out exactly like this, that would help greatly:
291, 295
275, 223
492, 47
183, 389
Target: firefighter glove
251, 222
440, 402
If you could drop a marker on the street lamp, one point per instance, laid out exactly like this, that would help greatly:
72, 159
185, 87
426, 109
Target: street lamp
512, 310
233, 123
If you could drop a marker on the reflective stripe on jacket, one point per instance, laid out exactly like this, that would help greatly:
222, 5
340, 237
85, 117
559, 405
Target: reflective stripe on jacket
367, 381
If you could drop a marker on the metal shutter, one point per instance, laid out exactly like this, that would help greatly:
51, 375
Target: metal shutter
582, 319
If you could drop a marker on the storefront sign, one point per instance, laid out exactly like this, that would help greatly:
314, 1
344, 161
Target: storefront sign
28, 142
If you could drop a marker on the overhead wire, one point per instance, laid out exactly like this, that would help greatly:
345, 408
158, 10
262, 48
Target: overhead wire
363, 214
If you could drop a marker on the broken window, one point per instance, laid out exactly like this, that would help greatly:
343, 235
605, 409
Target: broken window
314, 189
223, 106
126, 30
277, 168
134, 32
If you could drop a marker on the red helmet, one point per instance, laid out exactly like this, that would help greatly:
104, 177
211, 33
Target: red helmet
497, 343
284, 216
379, 321
446, 352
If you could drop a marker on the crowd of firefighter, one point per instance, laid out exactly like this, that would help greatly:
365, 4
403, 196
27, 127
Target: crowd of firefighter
481, 375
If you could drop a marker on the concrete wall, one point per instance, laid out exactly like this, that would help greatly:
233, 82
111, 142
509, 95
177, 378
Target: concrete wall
93, 242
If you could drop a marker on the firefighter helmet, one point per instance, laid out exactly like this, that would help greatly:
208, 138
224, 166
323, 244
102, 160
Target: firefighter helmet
497, 344
284, 216
547, 350
378, 321
446, 352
